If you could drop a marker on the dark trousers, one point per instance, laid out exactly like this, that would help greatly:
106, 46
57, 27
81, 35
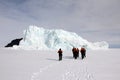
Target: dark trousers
60, 58
75, 55
83, 55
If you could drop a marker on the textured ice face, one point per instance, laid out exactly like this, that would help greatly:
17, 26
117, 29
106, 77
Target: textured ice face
52, 39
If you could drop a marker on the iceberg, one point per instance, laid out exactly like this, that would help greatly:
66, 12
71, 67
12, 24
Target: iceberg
39, 38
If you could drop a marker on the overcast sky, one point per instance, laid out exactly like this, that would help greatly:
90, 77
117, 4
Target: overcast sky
94, 20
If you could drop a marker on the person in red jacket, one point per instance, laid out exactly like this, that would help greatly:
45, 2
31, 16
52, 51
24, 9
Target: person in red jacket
75, 52
60, 54
83, 52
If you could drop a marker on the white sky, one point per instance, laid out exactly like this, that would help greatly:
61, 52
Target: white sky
94, 20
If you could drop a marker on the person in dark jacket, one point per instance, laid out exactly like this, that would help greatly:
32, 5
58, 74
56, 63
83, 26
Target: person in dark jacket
77, 52
60, 54
83, 52
73, 51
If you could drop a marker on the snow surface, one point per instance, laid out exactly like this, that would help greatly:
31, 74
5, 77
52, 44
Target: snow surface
52, 39
44, 65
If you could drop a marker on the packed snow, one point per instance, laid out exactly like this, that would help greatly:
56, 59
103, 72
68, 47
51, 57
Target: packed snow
38, 38
44, 65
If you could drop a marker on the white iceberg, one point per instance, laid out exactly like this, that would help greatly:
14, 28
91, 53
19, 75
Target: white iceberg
52, 39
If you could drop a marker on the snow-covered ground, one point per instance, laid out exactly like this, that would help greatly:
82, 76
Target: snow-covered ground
44, 65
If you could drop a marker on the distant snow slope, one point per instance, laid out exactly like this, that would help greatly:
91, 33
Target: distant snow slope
46, 39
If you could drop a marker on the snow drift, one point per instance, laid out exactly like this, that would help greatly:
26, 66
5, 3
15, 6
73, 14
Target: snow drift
52, 39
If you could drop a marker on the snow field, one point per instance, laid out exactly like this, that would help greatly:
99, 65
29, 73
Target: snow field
44, 65
68, 70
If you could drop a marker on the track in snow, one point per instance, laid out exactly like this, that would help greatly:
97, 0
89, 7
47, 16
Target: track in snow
37, 74
78, 72
64, 70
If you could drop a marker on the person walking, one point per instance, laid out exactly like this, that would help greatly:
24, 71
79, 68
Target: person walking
73, 51
60, 54
83, 52
77, 52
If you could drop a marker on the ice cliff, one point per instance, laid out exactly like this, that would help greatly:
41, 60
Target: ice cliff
52, 39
